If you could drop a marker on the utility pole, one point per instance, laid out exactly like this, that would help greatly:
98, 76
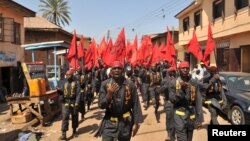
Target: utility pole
108, 35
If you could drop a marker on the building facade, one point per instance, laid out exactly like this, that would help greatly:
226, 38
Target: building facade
230, 22
12, 36
39, 30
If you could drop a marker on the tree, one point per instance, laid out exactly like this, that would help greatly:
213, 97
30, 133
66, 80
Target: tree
55, 11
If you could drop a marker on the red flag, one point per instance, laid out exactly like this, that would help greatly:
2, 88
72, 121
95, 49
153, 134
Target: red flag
194, 47
154, 58
103, 48
129, 51
72, 48
134, 52
80, 48
117, 51
210, 47
73, 62
170, 45
146, 50
90, 55
120, 47
171, 50
72, 56
108, 56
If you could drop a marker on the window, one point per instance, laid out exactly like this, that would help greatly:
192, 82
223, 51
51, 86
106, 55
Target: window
1, 27
240, 4
218, 9
17, 39
223, 58
186, 24
197, 18
10, 31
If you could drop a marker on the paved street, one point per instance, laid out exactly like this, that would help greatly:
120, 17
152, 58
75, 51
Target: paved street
150, 129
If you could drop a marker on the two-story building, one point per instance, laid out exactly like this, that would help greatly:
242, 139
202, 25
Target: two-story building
230, 22
12, 35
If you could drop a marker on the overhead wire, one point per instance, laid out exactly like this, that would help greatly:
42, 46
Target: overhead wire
165, 10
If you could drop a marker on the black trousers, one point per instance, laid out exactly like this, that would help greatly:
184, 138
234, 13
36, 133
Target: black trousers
82, 104
66, 112
184, 128
170, 120
214, 114
155, 95
145, 92
108, 138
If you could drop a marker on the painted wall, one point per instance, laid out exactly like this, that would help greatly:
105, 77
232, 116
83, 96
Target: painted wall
7, 48
232, 24
234, 29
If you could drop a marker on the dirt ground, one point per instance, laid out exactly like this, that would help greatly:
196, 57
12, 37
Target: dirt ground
149, 130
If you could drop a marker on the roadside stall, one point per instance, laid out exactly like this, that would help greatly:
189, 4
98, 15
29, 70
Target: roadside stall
42, 103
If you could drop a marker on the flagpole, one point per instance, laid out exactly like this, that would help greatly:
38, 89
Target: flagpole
215, 56
175, 57
76, 56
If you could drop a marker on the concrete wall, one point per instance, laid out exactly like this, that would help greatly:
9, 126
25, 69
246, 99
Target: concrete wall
231, 24
9, 47
232, 30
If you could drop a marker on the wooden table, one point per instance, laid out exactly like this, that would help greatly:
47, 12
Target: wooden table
30, 102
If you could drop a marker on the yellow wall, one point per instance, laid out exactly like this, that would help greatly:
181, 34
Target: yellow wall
232, 24
234, 28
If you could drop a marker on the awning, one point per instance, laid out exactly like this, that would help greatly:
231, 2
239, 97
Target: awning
43, 45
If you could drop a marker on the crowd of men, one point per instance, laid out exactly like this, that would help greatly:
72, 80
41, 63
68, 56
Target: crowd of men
118, 89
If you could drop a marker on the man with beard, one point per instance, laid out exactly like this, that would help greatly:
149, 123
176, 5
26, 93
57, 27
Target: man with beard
123, 114
186, 98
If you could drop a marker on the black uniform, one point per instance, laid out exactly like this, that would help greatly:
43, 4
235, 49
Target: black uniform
81, 80
154, 87
122, 112
145, 78
187, 107
215, 97
71, 99
89, 90
168, 105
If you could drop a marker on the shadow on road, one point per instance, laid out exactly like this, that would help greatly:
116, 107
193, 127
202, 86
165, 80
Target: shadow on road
88, 129
143, 133
4, 107
11, 136
97, 115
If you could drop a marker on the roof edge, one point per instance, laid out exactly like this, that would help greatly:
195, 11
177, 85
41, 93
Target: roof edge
29, 12
191, 6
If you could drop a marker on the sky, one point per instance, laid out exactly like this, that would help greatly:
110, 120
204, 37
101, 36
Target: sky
94, 18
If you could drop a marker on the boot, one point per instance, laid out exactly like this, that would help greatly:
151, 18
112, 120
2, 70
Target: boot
74, 133
63, 137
